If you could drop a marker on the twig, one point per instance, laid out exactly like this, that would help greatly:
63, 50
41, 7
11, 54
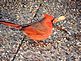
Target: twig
18, 48
24, 36
34, 15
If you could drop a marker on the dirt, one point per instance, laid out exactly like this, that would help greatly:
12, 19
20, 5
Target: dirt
61, 46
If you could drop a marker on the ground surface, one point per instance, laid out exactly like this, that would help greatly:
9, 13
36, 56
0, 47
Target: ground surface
60, 45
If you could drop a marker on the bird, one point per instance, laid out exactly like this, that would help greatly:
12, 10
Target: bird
39, 30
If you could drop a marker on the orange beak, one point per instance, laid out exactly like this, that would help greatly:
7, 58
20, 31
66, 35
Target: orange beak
61, 18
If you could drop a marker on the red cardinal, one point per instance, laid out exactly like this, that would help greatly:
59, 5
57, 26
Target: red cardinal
37, 31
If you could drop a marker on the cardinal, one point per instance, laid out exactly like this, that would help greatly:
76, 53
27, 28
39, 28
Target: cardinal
39, 30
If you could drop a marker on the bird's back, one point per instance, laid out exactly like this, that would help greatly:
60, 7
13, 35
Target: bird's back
39, 30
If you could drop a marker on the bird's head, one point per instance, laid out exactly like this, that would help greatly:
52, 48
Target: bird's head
50, 18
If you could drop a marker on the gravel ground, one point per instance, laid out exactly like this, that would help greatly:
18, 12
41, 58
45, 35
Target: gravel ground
60, 45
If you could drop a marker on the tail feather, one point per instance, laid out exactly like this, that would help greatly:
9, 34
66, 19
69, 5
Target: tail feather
11, 24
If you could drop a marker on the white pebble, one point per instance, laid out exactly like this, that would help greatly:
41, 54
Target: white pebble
0, 31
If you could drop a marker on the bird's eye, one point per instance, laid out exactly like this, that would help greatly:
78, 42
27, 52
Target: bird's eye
52, 19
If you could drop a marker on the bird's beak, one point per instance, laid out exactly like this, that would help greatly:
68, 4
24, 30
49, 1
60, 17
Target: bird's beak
61, 18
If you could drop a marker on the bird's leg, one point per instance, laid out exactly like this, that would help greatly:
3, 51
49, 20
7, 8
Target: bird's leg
38, 43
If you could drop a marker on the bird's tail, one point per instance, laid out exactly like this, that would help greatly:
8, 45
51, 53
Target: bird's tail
59, 19
11, 24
